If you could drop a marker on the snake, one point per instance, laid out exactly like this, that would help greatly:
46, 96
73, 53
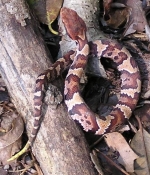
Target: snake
77, 61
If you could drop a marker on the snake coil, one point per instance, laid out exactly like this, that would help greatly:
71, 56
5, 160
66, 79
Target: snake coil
77, 108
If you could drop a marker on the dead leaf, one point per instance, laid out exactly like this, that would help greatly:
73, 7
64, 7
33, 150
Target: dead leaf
144, 115
46, 10
109, 164
137, 20
140, 144
52, 9
117, 18
107, 6
127, 156
10, 142
115, 14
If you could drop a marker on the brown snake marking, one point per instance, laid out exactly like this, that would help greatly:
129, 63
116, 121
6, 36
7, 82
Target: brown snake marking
77, 108
42, 85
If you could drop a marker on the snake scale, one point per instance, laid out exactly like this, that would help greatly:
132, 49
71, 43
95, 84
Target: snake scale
77, 60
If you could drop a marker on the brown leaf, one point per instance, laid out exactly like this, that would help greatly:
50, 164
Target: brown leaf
115, 13
140, 144
137, 20
46, 10
127, 156
10, 142
117, 17
52, 9
107, 6
144, 115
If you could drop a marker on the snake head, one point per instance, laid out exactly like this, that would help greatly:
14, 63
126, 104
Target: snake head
75, 26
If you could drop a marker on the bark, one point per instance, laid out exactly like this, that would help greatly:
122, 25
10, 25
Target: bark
60, 147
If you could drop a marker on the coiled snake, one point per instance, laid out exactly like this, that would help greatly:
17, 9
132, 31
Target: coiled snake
77, 108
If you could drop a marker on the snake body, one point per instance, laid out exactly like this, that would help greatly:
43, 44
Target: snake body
77, 108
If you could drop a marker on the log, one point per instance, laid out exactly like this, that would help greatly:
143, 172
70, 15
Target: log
60, 147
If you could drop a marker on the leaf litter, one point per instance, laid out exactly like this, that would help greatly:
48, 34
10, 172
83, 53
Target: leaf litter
133, 155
